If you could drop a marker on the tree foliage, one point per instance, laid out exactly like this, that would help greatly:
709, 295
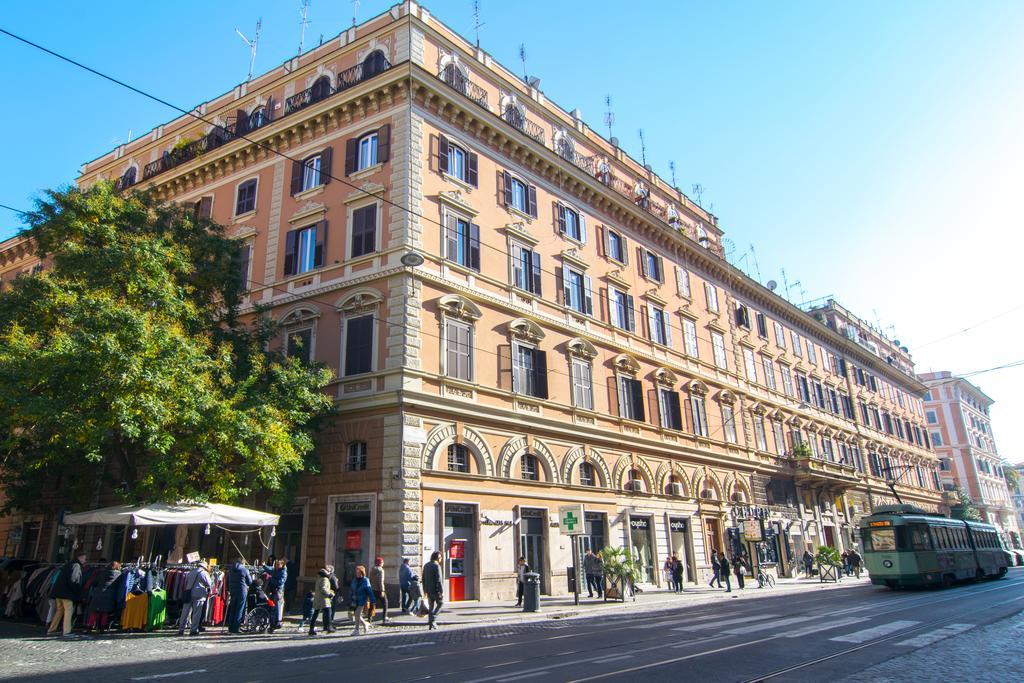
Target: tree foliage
124, 364
965, 508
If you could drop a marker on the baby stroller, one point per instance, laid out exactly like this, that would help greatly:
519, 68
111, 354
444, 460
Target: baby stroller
257, 611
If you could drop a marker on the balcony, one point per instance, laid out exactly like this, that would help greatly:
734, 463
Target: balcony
372, 66
809, 469
455, 79
517, 119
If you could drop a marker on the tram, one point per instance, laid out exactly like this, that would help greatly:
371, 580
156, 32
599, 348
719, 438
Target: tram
905, 546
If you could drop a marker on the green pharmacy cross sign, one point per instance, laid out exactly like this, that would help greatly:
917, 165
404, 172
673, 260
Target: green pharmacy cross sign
570, 520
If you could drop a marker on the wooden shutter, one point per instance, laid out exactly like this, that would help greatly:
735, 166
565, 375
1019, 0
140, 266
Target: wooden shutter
535, 265
588, 296
442, 154
290, 244
531, 206
641, 261
583, 228
326, 159
675, 410
351, 156
298, 167
241, 122
451, 238
472, 171
507, 179
637, 391
540, 380
602, 241
625, 249
474, 246
321, 243
560, 218
204, 207
505, 367
661, 269
384, 143
566, 286
245, 255
630, 313
605, 304
613, 395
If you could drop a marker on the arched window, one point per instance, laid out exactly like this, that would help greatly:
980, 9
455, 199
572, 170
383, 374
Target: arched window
127, 179
565, 148
458, 458
453, 76
635, 481
321, 89
260, 116
588, 474
356, 456
737, 497
514, 116
674, 486
374, 64
529, 467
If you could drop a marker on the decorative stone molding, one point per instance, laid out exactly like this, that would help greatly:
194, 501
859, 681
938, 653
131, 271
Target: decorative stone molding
307, 212
573, 257
579, 347
455, 200
526, 330
459, 307
300, 314
698, 387
727, 397
626, 363
360, 301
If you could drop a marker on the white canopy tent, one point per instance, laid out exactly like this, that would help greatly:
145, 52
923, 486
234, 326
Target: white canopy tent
166, 513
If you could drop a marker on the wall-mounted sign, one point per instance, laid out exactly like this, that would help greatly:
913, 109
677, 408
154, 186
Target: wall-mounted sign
677, 525
354, 540
192, 557
570, 519
752, 530
639, 523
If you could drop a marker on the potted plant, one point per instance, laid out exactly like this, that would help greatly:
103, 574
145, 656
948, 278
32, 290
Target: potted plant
801, 450
829, 562
621, 570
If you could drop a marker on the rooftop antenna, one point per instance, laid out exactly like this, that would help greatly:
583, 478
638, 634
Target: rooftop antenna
698, 192
477, 24
672, 168
609, 115
643, 148
757, 266
253, 44
355, 10
304, 14
522, 58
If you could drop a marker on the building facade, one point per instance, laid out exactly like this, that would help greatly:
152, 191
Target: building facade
521, 316
957, 413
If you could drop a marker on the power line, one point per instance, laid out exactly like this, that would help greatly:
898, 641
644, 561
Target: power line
970, 327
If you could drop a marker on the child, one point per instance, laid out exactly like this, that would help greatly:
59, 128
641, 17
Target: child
307, 609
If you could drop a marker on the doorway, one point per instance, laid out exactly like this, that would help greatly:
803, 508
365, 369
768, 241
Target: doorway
678, 538
641, 544
460, 549
531, 544
712, 536
352, 530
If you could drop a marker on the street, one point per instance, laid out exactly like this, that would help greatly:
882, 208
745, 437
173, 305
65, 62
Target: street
802, 635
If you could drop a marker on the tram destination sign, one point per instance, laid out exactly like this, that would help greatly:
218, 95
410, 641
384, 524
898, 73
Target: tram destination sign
570, 519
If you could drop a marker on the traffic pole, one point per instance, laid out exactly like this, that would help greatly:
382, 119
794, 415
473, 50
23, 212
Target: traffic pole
576, 568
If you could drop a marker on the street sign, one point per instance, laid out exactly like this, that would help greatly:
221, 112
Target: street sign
570, 519
752, 530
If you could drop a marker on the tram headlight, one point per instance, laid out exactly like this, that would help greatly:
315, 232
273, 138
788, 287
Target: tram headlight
887, 564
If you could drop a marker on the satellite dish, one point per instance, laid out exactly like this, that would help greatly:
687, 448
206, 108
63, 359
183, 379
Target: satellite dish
772, 284
896, 342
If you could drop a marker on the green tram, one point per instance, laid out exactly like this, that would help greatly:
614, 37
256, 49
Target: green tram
905, 546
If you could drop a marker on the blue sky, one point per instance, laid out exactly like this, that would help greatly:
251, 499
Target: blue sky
873, 149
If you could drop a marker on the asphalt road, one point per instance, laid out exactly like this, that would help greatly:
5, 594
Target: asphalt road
813, 636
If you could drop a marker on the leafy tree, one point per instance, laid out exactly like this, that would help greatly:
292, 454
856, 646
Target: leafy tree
1012, 477
965, 508
124, 365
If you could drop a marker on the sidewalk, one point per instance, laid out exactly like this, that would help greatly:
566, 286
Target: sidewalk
477, 613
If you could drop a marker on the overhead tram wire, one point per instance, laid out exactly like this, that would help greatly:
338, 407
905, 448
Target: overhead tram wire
969, 328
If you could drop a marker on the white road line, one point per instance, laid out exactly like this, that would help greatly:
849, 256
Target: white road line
302, 659
936, 635
605, 660
688, 620
396, 647
764, 626
818, 628
725, 622
875, 632
170, 675
521, 677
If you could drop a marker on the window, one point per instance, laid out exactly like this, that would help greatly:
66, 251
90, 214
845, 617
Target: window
631, 399
819, 395
780, 336
682, 282
244, 266
571, 223
658, 322
621, 310
356, 457
457, 162
718, 346
671, 414
699, 415
462, 242
364, 230
582, 383
359, 341
936, 439
304, 249
769, 373
847, 404
796, 345
588, 476
729, 423
525, 269
310, 173
780, 437
803, 388
634, 481
529, 371
520, 196
367, 151
833, 401
203, 208
651, 265
615, 246
750, 364
864, 413
743, 316
458, 350
690, 337
458, 458
711, 295
245, 199
762, 326
931, 417
300, 344
811, 356
759, 436
528, 467
787, 379
576, 291
321, 89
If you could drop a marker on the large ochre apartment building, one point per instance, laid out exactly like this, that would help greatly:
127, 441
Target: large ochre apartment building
574, 333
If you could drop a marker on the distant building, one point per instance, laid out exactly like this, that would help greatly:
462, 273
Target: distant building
957, 413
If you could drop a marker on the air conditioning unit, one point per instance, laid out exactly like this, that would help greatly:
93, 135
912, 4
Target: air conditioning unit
634, 485
675, 489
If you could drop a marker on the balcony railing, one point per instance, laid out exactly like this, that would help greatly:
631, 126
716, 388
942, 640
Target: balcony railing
517, 119
451, 75
365, 70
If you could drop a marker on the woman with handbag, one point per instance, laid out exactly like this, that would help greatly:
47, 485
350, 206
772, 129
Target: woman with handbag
322, 596
361, 600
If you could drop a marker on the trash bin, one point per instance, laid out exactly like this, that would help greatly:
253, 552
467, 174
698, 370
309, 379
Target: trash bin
531, 592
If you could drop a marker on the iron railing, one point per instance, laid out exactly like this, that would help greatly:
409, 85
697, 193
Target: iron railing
517, 119
454, 78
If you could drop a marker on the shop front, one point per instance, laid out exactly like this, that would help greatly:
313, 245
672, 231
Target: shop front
680, 545
641, 544
533, 543
459, 541
353, 539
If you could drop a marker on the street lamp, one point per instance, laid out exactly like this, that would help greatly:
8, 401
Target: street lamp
412, 259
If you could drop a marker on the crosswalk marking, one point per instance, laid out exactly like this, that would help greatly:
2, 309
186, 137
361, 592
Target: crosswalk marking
936, 635
725, 622
875, 632
818, 628
764, 626
672, 622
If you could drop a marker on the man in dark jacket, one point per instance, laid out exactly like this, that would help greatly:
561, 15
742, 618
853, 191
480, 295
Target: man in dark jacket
433, 588
716, 569
590, 571
239, 580
723, 572
66, 591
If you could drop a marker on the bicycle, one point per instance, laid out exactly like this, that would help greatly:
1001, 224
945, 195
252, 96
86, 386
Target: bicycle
765, 580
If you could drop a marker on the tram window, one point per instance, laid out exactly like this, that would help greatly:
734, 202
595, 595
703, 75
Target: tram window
919, 539
880, 540
943, 536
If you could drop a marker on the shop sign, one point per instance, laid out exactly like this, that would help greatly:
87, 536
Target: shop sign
358, 506
192, 557
677, 525
354, 540
752, 530
459, 509
639, 523
487, 521
570, 519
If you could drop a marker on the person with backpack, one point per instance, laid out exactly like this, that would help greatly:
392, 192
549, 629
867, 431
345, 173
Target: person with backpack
361, 600
855, 561
66, 591
197, 587
405, 574
723, 573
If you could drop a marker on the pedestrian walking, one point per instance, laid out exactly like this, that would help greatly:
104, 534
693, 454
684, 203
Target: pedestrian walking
667, 570
102, 600
276, 591
307, 609
808, 562
521, 570
599, 573
377, 584
855, 561
66, 591
434, 588
738, 564
362, 598
846, 562
590, 572
677, 574
716, 568
404, 577
723, 572
332, 579
239, 581
197, 590
323, 596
